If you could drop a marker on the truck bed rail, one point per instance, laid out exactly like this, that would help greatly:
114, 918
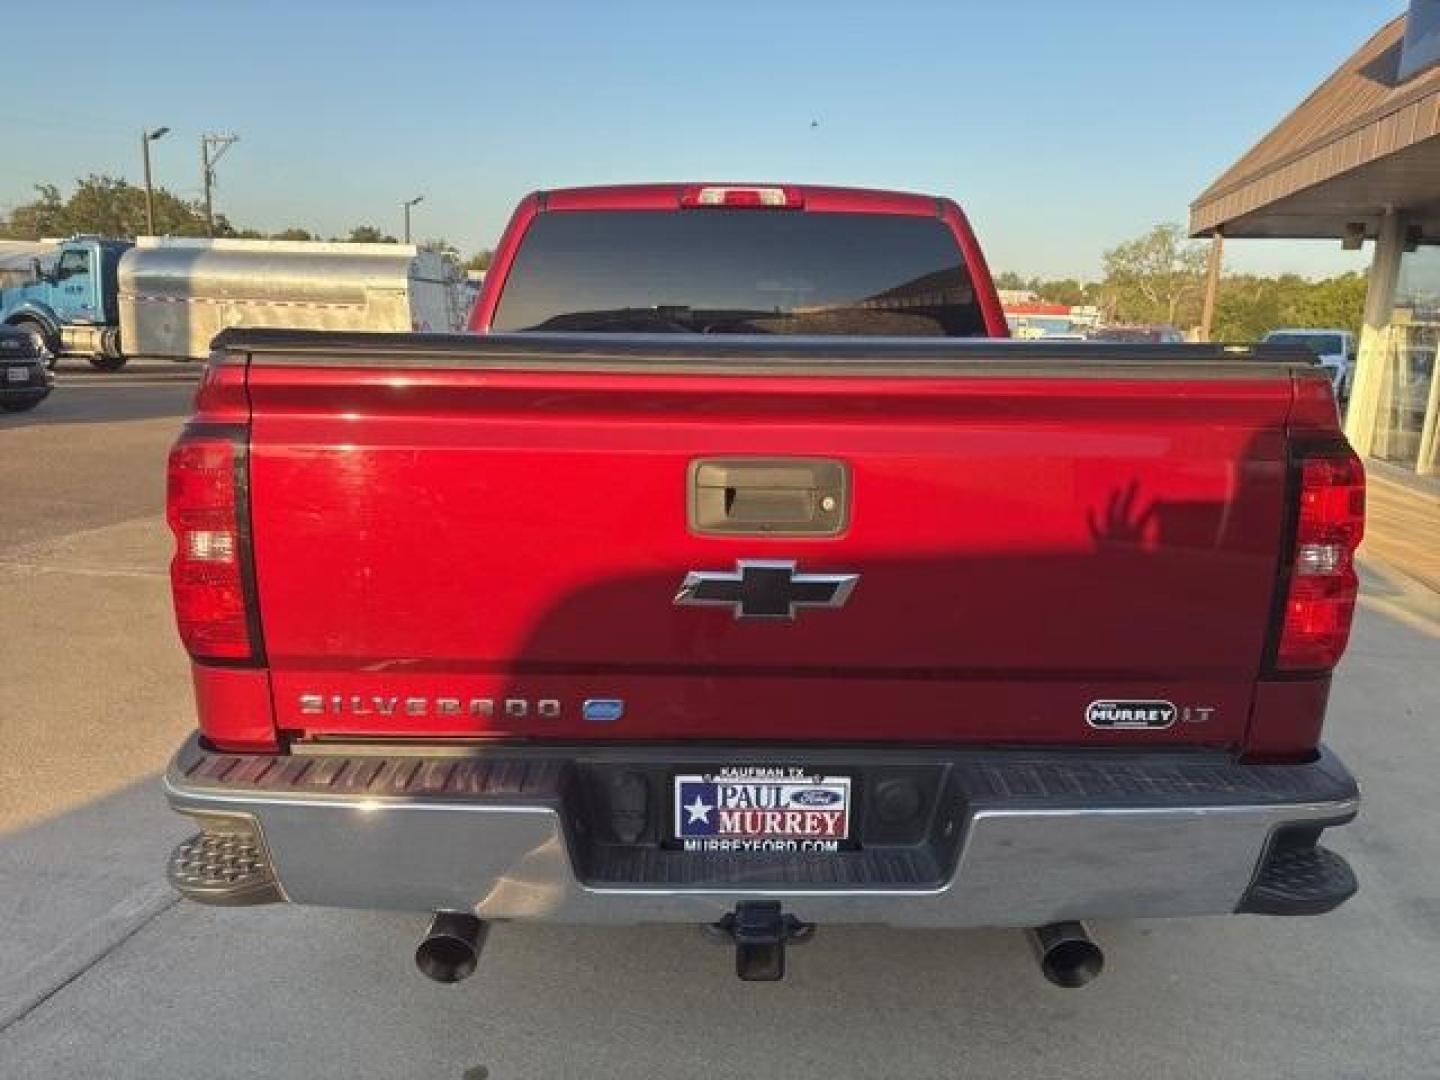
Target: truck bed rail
763, 354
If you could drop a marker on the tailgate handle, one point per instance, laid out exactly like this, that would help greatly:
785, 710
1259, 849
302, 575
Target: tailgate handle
768, 496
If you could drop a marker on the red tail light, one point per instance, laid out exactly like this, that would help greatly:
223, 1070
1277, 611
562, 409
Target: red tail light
210, 574
1320, 582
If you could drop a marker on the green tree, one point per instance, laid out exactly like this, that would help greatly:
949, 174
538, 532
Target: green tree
1248, 306
480, 260
441, 245
106, 206
294, 233
1336, 301
41, 217
1069, 291
1065, 291
368, 234
1155, 278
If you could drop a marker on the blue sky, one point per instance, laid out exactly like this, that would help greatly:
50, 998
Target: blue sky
1061, 127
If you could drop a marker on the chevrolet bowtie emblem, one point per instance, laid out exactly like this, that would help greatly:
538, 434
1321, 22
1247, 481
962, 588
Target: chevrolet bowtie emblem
764, 589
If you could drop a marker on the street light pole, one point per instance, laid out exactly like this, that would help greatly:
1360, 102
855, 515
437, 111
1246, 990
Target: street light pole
408, 204
146, 138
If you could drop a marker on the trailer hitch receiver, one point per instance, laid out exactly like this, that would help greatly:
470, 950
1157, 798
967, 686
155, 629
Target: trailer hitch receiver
760, 932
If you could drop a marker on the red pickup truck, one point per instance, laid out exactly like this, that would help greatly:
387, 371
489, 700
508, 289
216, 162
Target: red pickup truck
736, 572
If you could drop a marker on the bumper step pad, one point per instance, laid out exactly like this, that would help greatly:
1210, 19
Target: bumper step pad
1300, 880
228, 869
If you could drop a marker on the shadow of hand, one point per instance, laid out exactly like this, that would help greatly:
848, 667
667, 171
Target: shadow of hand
1123, 522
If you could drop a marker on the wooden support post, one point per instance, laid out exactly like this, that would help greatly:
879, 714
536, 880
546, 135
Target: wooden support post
1212, 283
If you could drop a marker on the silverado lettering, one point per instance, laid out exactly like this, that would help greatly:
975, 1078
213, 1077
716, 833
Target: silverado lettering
362, 705
891, 613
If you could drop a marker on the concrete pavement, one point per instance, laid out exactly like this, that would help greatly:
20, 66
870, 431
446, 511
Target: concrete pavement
102, 973
1402, 524
92, 698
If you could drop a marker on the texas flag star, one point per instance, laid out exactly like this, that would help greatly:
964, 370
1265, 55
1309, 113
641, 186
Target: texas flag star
699, 811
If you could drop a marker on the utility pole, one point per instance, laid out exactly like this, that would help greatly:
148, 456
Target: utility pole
408, 204
146, 138
212, 149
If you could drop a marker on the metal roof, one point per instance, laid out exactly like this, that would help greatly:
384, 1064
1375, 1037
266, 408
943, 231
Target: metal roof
1362, 141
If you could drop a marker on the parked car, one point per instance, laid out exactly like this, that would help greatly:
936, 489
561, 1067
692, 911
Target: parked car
734, 572
1026, 327
1334, 349
1138, 335
25, 375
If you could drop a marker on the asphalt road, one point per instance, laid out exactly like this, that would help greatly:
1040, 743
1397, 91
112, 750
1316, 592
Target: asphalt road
104, 973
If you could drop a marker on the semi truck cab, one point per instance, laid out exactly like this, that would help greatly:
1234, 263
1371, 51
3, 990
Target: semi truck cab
72, 306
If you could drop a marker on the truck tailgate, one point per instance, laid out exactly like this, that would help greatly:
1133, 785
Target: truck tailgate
471, 547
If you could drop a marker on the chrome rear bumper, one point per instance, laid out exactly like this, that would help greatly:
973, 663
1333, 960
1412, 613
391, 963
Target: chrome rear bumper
1009, 838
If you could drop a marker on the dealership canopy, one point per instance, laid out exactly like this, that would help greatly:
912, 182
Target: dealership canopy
1367, 139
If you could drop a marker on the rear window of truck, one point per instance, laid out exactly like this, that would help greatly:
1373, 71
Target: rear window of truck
746, 271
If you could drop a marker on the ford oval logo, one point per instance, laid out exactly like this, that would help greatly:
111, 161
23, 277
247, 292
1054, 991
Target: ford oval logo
815, 797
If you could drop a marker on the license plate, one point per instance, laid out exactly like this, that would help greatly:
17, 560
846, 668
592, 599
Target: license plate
762, 809
17, 374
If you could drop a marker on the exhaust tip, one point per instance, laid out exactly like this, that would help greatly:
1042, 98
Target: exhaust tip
1072, 964
450, 949
1068, 956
